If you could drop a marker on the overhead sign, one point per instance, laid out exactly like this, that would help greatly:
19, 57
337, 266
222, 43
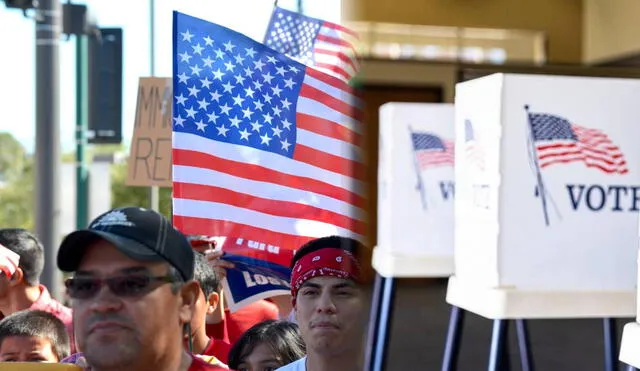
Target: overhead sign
150, 157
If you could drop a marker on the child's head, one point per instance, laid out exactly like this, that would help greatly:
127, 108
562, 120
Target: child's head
33, 336
209, 286
267, 346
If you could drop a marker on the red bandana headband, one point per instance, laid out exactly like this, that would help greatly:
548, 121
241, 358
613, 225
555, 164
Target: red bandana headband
324, 262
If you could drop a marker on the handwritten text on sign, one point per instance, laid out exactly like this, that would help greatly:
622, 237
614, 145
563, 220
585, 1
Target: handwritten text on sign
150, 158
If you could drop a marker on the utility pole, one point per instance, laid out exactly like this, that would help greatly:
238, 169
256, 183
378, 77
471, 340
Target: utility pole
82, 117
47, 151
154, 191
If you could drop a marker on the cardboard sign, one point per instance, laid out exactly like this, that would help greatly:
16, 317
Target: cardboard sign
150, 157
416, 188
548, 183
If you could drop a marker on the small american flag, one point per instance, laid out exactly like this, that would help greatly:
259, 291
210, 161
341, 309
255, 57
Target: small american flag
559, 141
432, 151
326, 46
263, 146
473, 150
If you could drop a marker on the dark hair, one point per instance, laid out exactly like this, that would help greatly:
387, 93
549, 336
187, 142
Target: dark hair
205, 275
37, 323
282, 337
343, 243
27, 245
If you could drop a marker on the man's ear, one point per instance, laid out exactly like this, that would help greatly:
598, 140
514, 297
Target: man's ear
213, 300
189, 293
17, 277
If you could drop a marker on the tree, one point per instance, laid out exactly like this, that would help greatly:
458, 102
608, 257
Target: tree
123, 195
16, 184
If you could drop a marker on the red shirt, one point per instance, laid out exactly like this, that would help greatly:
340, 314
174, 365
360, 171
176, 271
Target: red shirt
200, 365
235, 324
219, 349
48, 304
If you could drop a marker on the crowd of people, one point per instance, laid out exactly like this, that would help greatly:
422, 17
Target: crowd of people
143, 296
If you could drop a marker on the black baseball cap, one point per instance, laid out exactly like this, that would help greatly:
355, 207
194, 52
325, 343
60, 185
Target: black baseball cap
139, 233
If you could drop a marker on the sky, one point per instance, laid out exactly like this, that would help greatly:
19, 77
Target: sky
17, 65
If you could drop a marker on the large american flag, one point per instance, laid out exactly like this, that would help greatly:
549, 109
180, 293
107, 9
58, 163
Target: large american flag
559, 141
432, 151
329, 47
263, 147
473, 150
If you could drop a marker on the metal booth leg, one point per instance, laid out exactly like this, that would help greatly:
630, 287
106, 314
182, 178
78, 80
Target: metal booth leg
454, 336
610, 344
524, 345
380, 319
498, 355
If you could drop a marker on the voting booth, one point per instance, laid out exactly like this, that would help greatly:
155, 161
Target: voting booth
415, 190
548, 193
547, 198
415, 206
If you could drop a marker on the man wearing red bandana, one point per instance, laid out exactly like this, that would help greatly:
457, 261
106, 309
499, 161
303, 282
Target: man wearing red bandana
329, 294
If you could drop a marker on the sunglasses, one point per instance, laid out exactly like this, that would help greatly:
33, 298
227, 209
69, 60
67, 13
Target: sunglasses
124, 286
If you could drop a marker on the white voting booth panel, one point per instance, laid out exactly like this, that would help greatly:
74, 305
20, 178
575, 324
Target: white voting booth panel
547, 196
630, 343
415, 190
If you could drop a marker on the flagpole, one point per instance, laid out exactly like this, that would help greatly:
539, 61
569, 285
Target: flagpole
420, 185
541, 191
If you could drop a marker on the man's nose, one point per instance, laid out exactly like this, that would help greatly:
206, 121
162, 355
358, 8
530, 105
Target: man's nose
105, 300
326, 303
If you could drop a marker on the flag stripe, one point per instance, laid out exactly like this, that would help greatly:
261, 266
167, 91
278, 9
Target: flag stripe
328, 128
332, 102
281, 208
336, 83
185, 159
330, 162
571, 152
313, 107
333, 40
341, 92
330, 145
326, 54
247, 231
246, 162
279, 224
340, 30
281, 191
333, 70
329, 63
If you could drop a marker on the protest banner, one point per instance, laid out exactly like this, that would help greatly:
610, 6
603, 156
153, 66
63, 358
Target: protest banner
261, 271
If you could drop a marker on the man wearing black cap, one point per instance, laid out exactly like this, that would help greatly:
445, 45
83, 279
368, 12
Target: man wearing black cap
132, 292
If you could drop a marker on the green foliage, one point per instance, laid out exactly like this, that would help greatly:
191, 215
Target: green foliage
123, 195
16, 184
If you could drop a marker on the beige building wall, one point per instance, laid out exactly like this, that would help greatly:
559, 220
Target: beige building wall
561, 20
611, 29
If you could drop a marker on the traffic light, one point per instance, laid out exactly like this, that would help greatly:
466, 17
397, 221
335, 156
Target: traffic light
21, 4
105, 87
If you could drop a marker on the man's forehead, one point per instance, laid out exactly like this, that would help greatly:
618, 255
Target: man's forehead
102, 255
329, 281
